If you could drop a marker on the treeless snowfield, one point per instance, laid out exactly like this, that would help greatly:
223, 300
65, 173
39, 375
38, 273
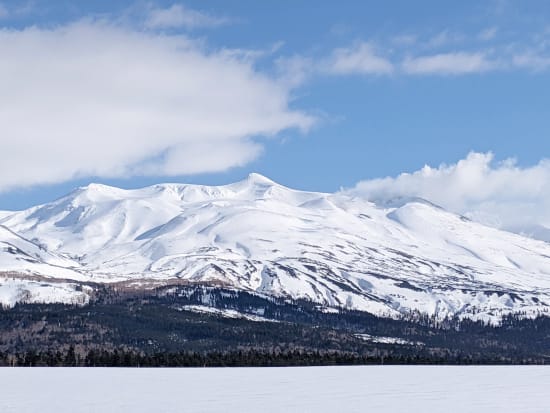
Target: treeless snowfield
307, 389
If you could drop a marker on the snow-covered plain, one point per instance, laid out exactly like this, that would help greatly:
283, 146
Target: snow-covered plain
308, 389
338, 250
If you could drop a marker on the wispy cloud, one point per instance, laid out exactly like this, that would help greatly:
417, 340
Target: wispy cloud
93, 99
410, 55
179, 16
294, 70
487, 34
360, 58
532, 61
455, 63
447, 53
503, 194
445, 38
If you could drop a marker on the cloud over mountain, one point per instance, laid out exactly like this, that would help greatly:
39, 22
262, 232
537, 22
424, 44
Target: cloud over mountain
503, 194
93, 99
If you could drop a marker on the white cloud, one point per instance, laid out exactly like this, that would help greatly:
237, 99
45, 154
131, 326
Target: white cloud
358, 59
403, 55
179, 16
498, 194
295, 70
448, 64
90, 99
532, 61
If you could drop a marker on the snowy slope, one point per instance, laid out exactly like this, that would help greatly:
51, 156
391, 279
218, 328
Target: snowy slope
21, 255
26, 270
385, 258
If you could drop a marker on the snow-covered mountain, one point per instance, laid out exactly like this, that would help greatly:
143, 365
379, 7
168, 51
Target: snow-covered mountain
338, 250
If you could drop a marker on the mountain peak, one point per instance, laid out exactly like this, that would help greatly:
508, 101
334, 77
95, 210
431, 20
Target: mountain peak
95, 186
96, 191
259, 179
255, 183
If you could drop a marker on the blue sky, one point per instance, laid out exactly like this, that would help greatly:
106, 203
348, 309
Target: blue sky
353, 91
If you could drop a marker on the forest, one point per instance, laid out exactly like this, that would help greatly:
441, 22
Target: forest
160, 328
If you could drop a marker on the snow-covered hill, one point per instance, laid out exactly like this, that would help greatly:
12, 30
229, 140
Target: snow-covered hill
337, 250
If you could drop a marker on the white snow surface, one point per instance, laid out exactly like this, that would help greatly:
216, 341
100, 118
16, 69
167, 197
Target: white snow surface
414, 389
387, 340
259, 236
14, 290
223, 312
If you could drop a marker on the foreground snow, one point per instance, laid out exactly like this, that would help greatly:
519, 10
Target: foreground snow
315, 389
340, 251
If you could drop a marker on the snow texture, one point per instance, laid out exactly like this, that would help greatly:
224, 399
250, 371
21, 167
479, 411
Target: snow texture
307, 389
223, 312
335, 249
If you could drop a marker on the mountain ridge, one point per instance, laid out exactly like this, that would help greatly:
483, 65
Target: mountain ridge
256, 235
